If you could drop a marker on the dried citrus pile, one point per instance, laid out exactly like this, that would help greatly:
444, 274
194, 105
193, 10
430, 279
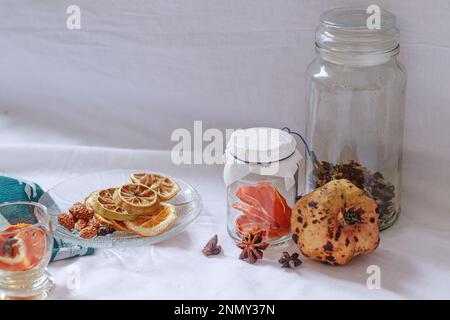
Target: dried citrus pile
137, 207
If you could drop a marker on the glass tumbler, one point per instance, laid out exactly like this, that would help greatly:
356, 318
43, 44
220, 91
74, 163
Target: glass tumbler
26, 244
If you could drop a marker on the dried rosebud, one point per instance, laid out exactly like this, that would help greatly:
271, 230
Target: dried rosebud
66, 220
81, 211
81, 224
88, 232
94, 223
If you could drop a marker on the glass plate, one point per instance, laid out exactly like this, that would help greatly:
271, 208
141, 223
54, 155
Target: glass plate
61, 197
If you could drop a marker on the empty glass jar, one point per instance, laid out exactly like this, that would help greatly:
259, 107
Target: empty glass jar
355, 94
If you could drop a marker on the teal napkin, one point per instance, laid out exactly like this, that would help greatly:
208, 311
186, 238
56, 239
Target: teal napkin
12, 190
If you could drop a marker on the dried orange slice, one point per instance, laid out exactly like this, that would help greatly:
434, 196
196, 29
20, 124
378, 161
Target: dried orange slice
15, 227
102, 220
166, 187
15, 259
148, 226
24, 250
104, 205
264, 209
147, 179
137, 199
118, 225
35, 242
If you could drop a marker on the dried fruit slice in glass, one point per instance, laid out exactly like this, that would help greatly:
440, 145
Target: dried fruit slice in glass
246, 224
166, 187
263, 209
148, 226
104, 205
23, 250
35, 243
12, 254
15, 227
137, 199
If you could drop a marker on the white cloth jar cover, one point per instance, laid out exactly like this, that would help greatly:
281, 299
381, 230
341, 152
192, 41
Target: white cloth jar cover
263, 151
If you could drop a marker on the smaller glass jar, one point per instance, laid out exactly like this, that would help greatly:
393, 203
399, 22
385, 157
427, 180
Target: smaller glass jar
261, 170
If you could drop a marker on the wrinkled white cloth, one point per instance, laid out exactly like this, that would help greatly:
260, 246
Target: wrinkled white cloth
413, 254
137, 70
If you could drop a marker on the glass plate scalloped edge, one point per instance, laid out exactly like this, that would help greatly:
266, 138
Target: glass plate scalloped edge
62, 196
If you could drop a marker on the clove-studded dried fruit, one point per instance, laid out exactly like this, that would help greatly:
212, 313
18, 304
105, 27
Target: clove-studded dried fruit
212, 247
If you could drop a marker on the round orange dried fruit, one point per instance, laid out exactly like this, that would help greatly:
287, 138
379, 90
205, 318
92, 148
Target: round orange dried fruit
166, 187
148, 226
137, 199
104, 205
27, 247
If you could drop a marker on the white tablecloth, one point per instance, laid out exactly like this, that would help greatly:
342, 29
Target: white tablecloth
413, 254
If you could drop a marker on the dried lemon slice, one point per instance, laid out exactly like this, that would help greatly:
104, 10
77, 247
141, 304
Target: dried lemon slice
137, 199
148, 226
103, 220
147, 179
104, 205
118, 225
164, 186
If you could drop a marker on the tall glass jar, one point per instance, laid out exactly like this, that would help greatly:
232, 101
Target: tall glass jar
355, 96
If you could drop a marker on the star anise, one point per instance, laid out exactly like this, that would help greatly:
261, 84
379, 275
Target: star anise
252, 247
212, 248
7, 246
289, 261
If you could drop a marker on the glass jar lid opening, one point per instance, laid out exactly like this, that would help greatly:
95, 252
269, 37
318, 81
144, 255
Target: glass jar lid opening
346, 31
261, 145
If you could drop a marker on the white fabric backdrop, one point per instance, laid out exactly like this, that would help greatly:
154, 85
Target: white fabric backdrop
139, 69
